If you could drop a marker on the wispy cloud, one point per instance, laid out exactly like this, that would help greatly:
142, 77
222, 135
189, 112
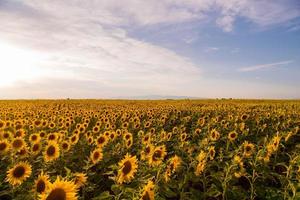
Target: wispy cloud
264, 66
211, 49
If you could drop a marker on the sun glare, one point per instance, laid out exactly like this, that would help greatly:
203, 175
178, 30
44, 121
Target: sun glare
17, 64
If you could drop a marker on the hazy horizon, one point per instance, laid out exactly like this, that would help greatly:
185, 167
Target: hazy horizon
118, 49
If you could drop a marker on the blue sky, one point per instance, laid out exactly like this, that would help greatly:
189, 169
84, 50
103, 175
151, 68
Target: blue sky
105, 49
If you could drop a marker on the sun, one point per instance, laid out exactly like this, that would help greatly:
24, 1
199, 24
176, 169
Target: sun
17, 64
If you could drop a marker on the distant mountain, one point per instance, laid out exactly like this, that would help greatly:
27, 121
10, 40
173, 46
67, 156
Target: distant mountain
155, 97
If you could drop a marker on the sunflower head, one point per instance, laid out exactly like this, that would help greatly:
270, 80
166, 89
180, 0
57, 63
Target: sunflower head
127, 168
157, 156
211, 152
60, 190
41, 183
148, 191
249, 149
147, 138
232, 135
214, 135
33, 138
65, 146
101, 141
96, 155
80, 179
36, 148
52, 151
52, 137
19, 173
4, 146
17, 144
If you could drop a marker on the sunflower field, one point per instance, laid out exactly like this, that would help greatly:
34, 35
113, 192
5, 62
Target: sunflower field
164, 149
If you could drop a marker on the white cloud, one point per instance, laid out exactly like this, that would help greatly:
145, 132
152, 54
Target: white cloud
78, 48
226, 23
264, 66
211, 49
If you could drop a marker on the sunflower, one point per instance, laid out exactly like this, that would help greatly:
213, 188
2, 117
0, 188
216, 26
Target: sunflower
127, 168
60, 190
33, 138
148, 191
74, 139
52, 152
211, 152
112, 135
119, 132
19, 173
183, 137
232, 135
169, 136
36, 148
276, 142
42, 134
147, 151
101, 141
197, 131
2, 124
80, 179
52, 137
127, 136
214, 135
167, 175
200, 168
90, 140
96, 155
96, 129
249, 148
129, 143
23, 153
157, 155
244, 117
4, 146
238, 162
41, 183
52, 125
175, 163
5, 135
17, 144
65, 146
146, 138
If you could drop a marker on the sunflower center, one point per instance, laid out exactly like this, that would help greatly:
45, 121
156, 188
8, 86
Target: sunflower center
35, 147
147, 150
127, 137
51, 151
40, 186
127, 168
51, 137
19, 172
73, 139
34, 137
96, 155
57, 194
64, 145
101, 140
2, 146
156, 155
146, 196
248, 148
17, 143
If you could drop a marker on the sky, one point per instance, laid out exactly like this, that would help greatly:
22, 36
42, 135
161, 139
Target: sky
131, 48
